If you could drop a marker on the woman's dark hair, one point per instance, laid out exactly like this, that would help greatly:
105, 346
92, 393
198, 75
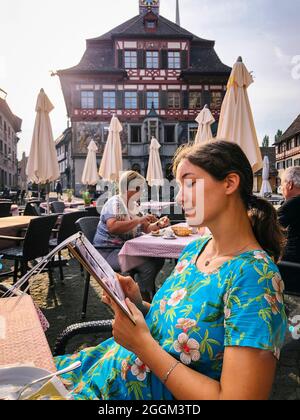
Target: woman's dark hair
221, 158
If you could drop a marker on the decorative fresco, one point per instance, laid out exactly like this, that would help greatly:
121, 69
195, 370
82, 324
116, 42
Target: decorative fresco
97, 131
85, 132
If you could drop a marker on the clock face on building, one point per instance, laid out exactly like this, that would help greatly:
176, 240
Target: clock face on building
149, 3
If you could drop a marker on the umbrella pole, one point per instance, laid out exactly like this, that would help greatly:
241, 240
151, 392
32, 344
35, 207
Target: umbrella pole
47, 197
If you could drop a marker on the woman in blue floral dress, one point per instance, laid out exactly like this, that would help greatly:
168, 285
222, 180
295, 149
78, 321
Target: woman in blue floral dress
216, 327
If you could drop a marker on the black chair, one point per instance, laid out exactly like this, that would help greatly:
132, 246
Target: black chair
92, 212
57, 207
32, 209
88, 226
35, 244
103, 328
5, 208
290, 273
67, 228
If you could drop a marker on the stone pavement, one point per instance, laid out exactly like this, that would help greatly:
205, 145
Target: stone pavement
62, 307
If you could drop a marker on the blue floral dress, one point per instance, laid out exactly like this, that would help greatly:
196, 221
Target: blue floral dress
194, 316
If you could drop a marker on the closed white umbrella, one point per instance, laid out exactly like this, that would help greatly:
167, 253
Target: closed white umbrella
236, 122
155, 173
155, 176
111, 164
266, 187
205, 119
90, 172
42, 165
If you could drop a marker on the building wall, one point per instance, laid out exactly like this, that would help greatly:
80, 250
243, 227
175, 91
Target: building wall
8, 153
288, 154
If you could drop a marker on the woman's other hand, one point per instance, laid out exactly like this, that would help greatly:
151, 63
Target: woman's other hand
164, 222
125, 333
131, 289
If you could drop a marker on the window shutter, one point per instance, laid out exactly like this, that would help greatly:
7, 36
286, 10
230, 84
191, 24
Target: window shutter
163, 100
206, 98
98, 100
119, 97
77, 99
184, 60
185, 99
141, 59
164, 59
141, 100
120, 59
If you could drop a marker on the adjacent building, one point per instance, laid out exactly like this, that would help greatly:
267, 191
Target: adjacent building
10, 126
288, 147
155, 76
63, 149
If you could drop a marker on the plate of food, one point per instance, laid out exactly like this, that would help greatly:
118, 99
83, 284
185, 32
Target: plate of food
182, 231
12, 379
158, 233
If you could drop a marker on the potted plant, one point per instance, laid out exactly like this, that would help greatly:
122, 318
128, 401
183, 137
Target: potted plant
86, 198
69, 195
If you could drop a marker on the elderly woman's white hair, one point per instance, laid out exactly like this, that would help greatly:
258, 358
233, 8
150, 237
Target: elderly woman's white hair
292, 175
131, 181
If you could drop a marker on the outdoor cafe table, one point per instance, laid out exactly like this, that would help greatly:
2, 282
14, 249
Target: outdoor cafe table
10, 226
22, 339
134, 252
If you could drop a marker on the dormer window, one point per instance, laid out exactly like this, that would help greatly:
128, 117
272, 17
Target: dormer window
150, 24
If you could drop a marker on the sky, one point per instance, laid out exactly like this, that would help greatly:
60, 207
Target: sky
40, 36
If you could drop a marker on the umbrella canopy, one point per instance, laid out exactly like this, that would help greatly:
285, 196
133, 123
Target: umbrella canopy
90, 172
111, 164
205, 119
155, 174
42, 166
236, 120
266, 187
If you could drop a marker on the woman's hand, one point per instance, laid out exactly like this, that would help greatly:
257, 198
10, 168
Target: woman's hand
164, 222
131, 289
125, 333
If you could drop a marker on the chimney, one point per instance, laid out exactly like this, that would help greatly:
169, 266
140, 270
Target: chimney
177, 13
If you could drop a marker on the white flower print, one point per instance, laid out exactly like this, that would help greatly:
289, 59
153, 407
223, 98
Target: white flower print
124, 370
273, 303
278, 285
181, 266
177, 297
260, 255
162, 306
226, 297
188, 349
185, 324
227, 313
140, 370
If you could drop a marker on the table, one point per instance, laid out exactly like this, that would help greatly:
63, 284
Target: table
73, 204
134, 252
22, 339
10, 226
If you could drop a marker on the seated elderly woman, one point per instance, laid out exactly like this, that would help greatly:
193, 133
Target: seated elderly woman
215, 328
120, 221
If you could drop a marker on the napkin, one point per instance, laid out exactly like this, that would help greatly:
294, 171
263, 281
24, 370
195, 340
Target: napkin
51, 390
